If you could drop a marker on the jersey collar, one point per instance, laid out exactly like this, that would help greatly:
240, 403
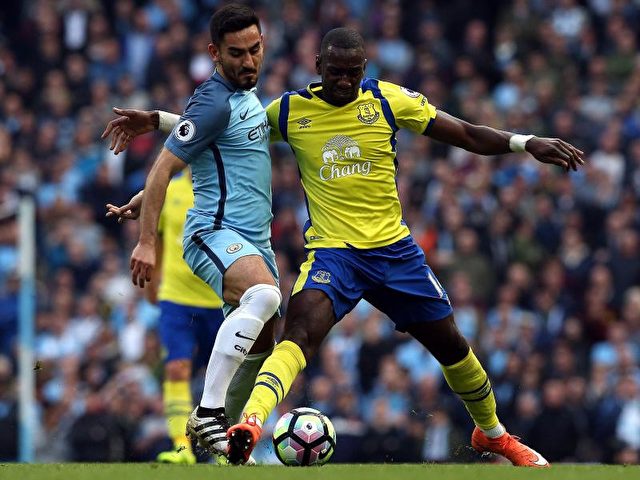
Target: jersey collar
314, 87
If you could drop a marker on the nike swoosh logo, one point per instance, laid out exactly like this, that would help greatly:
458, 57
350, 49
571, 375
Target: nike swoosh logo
540, 461
243, 116
239, 335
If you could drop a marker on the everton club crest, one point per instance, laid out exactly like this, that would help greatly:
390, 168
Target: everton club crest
367, 113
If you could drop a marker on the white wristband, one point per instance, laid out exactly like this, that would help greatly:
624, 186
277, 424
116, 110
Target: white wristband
518, 142
167, 121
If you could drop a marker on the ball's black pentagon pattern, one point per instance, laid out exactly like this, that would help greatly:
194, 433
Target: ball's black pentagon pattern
326, 437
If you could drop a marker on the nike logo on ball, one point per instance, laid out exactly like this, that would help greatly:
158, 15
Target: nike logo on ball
239, 335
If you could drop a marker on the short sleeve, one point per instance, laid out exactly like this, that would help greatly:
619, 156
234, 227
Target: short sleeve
411, 109
205, 118
273, 115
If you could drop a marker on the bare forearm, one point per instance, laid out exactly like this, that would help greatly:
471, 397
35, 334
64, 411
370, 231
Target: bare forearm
490, 141
155, 190
487, 141
478, 139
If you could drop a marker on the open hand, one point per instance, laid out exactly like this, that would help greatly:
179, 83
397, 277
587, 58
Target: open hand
556, 152
127, 126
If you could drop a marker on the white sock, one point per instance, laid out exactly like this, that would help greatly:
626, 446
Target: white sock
235, 338
495, 432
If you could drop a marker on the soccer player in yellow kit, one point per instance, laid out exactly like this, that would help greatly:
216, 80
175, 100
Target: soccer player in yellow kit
342, 131
343, 134
190, 316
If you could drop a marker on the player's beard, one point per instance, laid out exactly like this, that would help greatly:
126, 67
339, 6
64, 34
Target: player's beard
238, 79
246, 81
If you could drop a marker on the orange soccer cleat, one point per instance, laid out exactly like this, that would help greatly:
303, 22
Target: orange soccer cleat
509, 447
243, 438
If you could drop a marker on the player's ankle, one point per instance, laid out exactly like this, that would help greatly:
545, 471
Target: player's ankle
495, 432
204, 412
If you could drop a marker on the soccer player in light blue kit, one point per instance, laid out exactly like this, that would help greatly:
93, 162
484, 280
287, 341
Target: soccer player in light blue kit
223, 135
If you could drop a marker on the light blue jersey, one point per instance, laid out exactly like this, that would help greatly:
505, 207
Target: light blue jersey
223, 135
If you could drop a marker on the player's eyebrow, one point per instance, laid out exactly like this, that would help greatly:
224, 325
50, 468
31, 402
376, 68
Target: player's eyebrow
239, 50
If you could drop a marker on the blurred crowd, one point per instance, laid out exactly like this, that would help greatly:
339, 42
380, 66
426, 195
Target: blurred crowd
542, 266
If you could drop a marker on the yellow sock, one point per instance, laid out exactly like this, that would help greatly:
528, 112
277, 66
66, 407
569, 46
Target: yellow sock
468, 379
275, 378
177, 407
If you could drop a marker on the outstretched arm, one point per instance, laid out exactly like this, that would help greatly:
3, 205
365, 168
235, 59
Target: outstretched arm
490, 141
132, 123
143, 258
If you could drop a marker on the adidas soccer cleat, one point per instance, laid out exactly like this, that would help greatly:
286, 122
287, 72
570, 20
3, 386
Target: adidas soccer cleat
509, 447
209, 432
181, 457
243, 438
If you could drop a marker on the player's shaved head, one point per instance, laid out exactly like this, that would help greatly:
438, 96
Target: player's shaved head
341, 65
345, 38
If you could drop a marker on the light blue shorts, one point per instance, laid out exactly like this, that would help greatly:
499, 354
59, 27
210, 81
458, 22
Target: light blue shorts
210, 253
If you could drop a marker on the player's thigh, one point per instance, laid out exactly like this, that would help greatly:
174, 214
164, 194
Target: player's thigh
244, 273
329, 286
409, 292
176, 331
229, 263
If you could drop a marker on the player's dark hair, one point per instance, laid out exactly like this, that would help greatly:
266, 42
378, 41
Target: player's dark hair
231, 18
346, 38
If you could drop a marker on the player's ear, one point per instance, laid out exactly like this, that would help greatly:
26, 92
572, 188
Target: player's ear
318, 65
214, 52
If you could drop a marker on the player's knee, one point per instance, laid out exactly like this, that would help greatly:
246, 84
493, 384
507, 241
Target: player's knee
178, 370
262, 300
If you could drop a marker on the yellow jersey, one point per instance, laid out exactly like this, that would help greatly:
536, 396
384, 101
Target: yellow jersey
179, 284
347, 159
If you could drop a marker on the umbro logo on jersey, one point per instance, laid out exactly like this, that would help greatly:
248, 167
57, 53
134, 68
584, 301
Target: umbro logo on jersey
234, 247
244, 115
304, 123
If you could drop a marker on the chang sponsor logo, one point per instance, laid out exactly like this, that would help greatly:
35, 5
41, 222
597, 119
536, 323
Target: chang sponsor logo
338, 156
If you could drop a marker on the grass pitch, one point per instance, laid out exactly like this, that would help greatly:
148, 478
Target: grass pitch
133, 471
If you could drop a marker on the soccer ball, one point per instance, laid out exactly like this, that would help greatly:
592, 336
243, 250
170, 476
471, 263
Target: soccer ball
304, 436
